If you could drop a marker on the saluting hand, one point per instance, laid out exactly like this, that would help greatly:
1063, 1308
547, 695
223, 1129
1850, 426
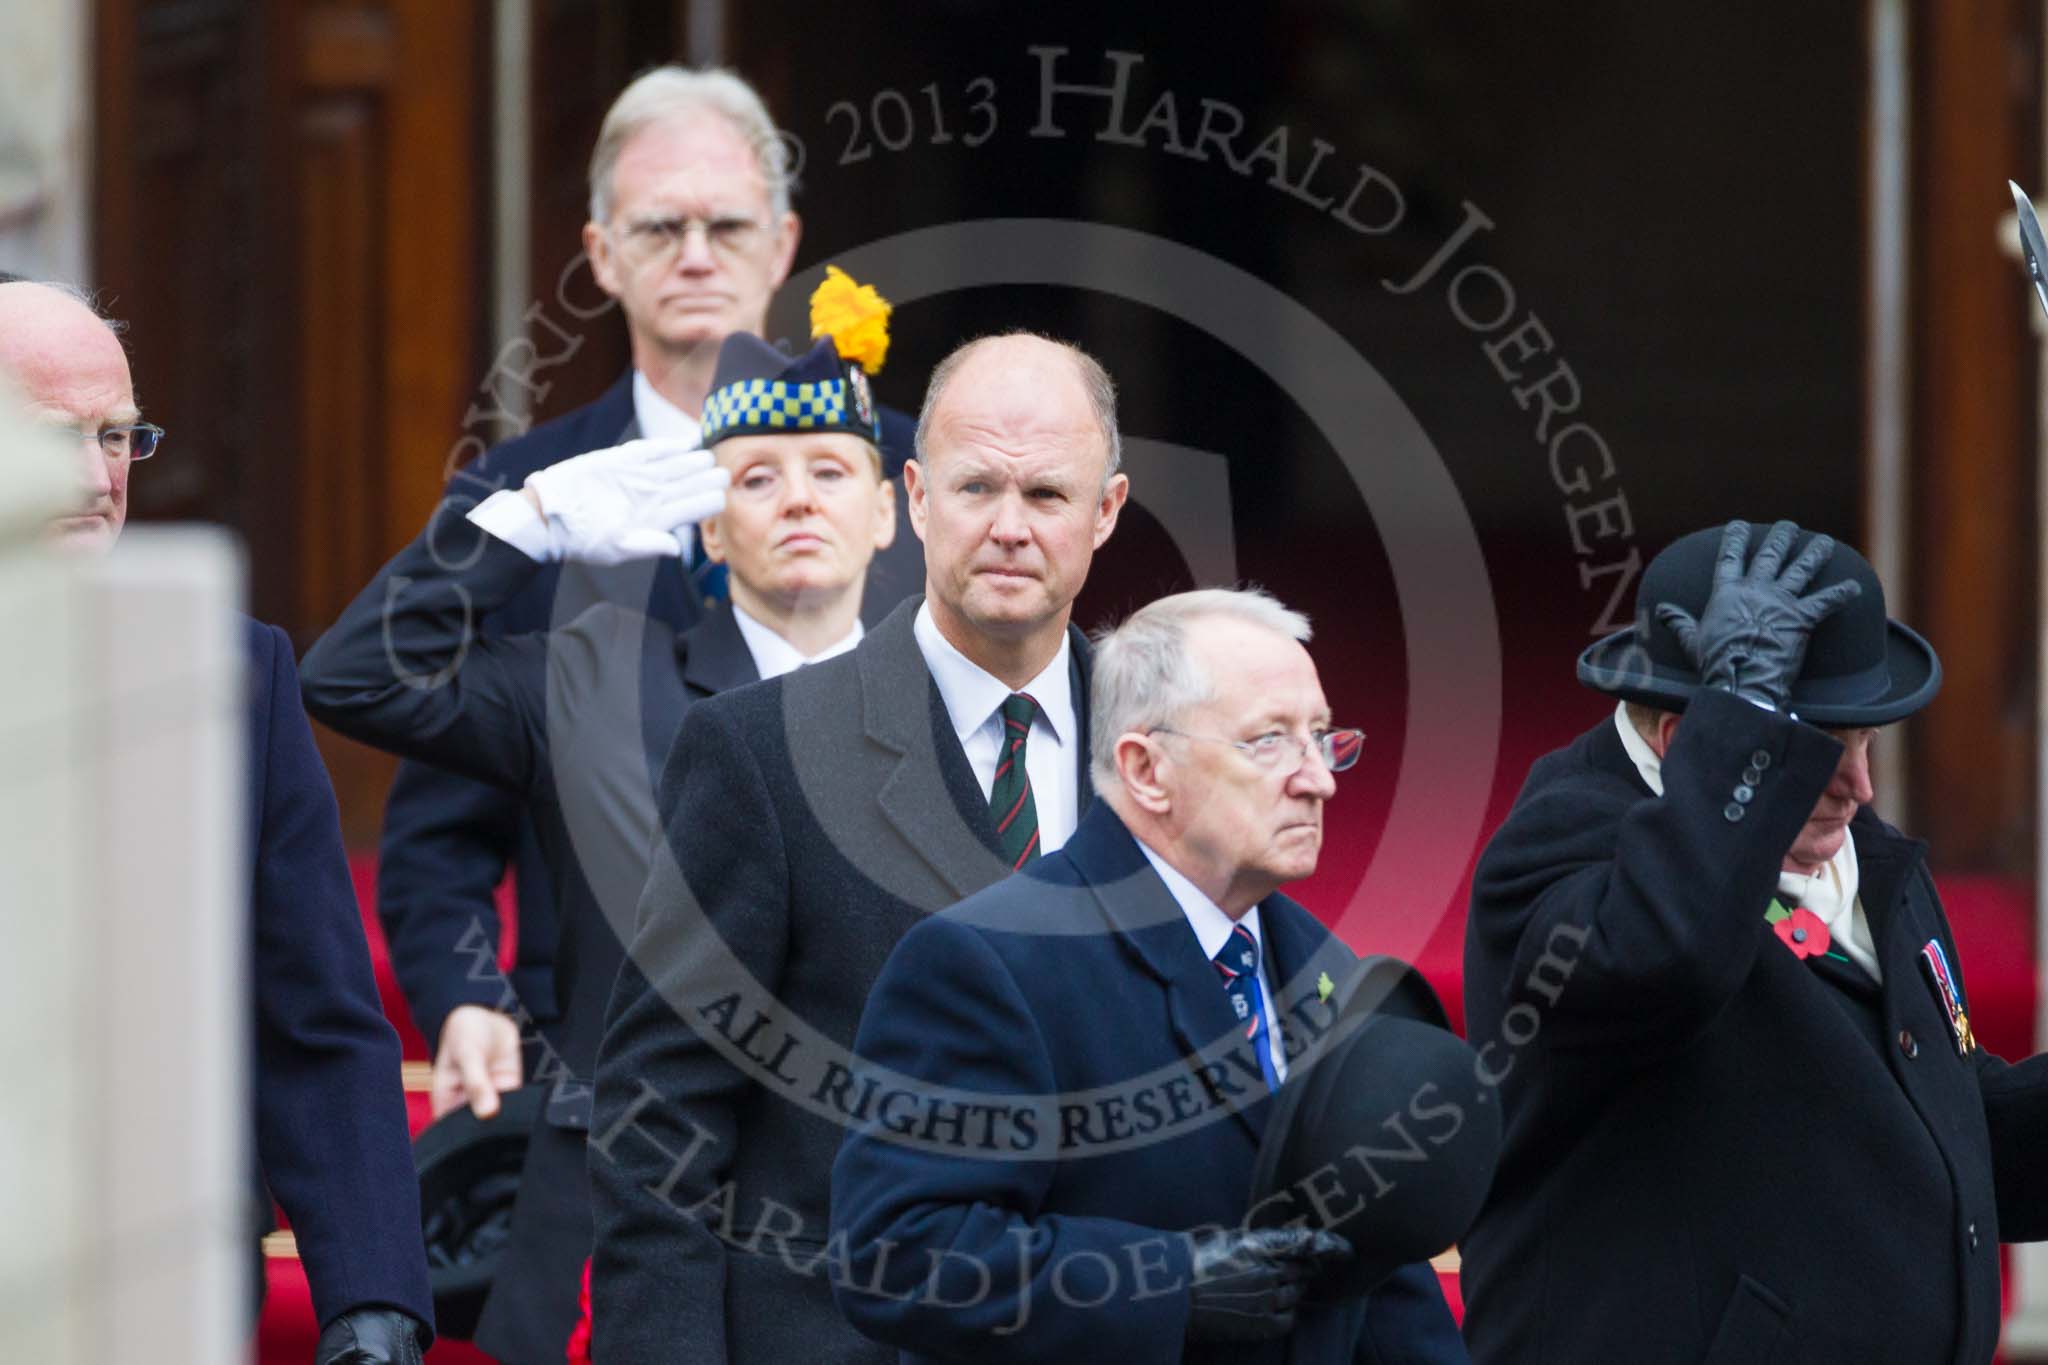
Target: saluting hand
1751, 637
625, 503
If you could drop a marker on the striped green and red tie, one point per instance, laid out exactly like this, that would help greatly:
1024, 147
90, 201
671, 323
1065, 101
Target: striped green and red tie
1009, 799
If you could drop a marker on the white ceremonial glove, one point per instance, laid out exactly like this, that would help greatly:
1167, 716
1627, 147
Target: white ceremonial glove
612, 506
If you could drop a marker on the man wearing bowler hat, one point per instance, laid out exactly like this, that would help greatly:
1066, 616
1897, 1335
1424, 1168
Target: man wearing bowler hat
1747, 1119
1076, 1065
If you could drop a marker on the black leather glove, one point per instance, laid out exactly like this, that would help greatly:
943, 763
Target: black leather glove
1247, 1283
369, 1336
1751, 637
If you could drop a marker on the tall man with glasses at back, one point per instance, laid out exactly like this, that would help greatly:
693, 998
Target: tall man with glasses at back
691, 232
330, 1117
1155, 937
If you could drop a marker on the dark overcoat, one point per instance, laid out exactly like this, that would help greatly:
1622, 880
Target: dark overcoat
1716, 1151
809, 822
330, 1115
1079, 986
575, 723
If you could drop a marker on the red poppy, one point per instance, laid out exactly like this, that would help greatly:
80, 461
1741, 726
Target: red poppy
1803, 932
579, 1340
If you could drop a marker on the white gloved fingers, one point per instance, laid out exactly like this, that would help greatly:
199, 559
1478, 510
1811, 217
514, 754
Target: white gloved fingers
672, 511
640, 542
647, 449
688, 511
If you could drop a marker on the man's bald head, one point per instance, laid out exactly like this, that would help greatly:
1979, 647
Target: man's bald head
1043, 378
71, 368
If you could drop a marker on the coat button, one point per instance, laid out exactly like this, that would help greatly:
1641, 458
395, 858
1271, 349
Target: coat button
1745, 793
1908, 1044
1973, 1236
1732, 812
1760, 760
1752, 775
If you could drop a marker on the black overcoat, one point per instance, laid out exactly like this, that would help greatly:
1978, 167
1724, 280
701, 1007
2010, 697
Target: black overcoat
810, 821
1716, 1151
330, 1116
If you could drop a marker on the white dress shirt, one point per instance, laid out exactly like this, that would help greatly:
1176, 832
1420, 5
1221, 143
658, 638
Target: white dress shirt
507, 515
1829, 893
1212, 928
774, 655
660, 419
974, 700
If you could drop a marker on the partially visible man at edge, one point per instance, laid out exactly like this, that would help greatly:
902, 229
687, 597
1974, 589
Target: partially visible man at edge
330, 1136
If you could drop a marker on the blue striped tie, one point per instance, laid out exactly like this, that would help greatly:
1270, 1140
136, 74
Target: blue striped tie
1237, 962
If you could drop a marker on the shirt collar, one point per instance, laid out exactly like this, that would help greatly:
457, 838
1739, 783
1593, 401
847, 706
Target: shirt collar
1639, 751
775, 655
1212, 927
972, 694
660, 419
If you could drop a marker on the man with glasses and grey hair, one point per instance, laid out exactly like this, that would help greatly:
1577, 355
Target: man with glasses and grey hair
330, 1128
692, 232
1099, 986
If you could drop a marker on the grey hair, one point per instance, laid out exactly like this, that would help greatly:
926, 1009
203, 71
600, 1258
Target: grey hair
76, 293
1094, 379
1142, 673
675, 92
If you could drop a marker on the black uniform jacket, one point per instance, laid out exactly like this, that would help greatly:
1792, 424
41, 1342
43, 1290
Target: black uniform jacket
1717, 1151
577, 721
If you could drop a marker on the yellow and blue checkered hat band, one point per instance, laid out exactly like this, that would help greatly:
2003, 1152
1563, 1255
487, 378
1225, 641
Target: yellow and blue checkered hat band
754, 406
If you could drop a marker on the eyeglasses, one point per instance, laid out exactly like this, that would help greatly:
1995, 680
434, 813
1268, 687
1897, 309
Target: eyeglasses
1339, 749
661, 239
132, 441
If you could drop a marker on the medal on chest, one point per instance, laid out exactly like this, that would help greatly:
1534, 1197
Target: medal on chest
1935, 961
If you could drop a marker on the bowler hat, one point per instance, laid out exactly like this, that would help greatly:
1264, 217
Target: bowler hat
469, 1176
1384, 1135
1861, 668
758, 390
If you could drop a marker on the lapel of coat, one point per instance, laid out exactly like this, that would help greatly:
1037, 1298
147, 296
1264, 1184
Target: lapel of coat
1300, 952
1079, 662
928, 794
1884, 863
714, 655
1155, 932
